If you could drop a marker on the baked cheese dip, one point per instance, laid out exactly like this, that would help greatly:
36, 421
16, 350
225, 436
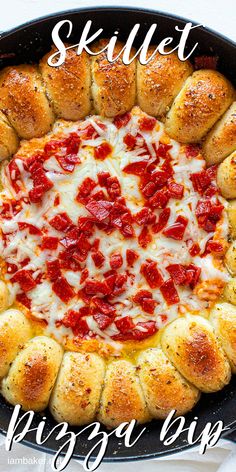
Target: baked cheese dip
110, 230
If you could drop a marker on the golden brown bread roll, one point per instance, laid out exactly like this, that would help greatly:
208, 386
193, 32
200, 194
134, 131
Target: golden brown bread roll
205, 96
221, 141
223, 318
232, 217
230, 258
33, 373
8, 138
4, 296
15, 331
113, 84
159, 81
68, 86
76, 394
190, 343
23, 101
122, 398
226, 176
164, 387
230, 291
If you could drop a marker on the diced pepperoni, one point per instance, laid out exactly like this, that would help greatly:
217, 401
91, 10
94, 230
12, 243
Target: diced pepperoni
49, 242
15, 175
169, 292
116, 261
61, 222
53, 269
31, 228
124, 324
102, 178
177, 229
178, 273
149, 327
202, 180
192, 275
162, 221
145, 217
85, 188
144, 237
215, 246
57, 200
144, 298
151, 274
68, 162
175, 190
102, 320
113, 187
192, 150
24, 279
147, 123
98, 258
94, 287
105, 307
122, 120
72, 319
131, 257
130, 141
160, 199
102, 151
136, 168
99, 209
24, 300
63, 289
163, 150
194, 250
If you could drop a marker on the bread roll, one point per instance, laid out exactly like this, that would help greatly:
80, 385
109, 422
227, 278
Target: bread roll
8, 138
68, 86
122, 398
230, 258
221, 141
232, 217
32, 375
205, 96
23, 101
164, 387
226, 176
4, 296
223, 318
230, 291
190, 343
159, 81
76, 394
15, 331
113, 84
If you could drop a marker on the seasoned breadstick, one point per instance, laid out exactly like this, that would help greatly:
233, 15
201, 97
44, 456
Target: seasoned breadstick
226, 176
164, 387
159, 81
76, 394
205, 96
33, 374
15, 331
190, 343
8, 138
221, 140
122, 398
223, 318
68, 86
23, 101
113, 84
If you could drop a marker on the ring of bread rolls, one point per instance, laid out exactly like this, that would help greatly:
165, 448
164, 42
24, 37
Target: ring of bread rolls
194, 354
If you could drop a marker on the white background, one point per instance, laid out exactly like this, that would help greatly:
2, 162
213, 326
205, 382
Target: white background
219, 15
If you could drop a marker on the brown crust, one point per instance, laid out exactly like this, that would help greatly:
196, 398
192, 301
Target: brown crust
226, 176
160, 81
68, 86
113, 84
8, 138
205, 96
223, 318
23, 101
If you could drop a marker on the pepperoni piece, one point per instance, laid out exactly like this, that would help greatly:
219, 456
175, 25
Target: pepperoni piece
130, 141
145, 217
63, 289
162, 221
61, 222
102, 151
102, 178
24, 300
84, 275
53, 269
177, 229
136, 168
98, 258
99, 209
85, 189
24, 279
104, 307
178, 273
102, 320
124, 324
131, 257
144, 237
159, 199
147, 123
145, 300
175, 190
113, 187
163, 150
116, 261
122, 120
15, 175
94, 287
151, 274
49, 242
192, 275
32, 229
194, 250
169, 292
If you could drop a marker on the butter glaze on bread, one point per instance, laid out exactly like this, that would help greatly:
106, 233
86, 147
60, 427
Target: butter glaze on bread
164, 387
68, 86
221, 141
190, 343
24, 102
223, 318
76, 394
113, 84
122, 397
15, 331
32, 374
8, 138
205, 96
159, 81
226, 176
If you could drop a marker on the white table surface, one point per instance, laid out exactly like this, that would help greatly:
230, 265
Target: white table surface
220, 16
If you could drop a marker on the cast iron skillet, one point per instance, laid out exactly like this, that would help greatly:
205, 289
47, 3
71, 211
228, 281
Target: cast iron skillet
28, 43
